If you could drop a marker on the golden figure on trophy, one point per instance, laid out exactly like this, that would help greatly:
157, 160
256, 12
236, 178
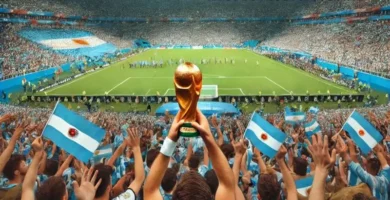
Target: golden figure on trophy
188, 84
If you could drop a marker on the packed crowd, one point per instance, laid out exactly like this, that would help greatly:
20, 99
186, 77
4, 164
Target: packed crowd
364, 46
151, 161
21, 56
189, 8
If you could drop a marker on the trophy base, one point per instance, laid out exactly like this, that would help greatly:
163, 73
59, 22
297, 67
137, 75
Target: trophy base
186, 130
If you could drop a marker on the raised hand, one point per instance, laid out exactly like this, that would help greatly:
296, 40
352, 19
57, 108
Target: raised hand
133, 140
239, 147
320, 153
201, 124
281, 153
87, 189
37, 145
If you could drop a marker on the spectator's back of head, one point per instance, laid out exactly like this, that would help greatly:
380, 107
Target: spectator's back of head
192, 186
151, 156
373, 166
228, 150
194, 162
268, 187
51, 167
16, 166
104, 174
362, 196
300, 166
53, 188
169, 180
212, 180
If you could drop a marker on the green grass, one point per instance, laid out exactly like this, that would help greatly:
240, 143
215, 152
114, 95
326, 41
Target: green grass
241, 78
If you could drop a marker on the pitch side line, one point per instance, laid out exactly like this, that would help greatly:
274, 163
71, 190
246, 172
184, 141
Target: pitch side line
276, 84
147, 92
318, 79
74, 81
118, 85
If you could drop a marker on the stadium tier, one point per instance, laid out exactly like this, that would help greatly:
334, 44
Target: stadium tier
194, 100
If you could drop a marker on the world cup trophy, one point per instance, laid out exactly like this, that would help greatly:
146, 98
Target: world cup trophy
188, 84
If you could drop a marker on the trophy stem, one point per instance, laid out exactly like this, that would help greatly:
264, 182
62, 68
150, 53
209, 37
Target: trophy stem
186, 130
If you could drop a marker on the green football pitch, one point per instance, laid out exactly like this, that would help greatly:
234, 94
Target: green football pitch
250, 74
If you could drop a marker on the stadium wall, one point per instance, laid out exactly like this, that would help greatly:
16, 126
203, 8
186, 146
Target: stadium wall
375, 82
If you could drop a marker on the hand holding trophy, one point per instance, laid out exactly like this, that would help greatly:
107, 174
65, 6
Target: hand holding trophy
188, 84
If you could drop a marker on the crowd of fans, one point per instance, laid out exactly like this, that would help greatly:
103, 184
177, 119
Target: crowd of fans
189, 8
216, 165
364, 46
21, 56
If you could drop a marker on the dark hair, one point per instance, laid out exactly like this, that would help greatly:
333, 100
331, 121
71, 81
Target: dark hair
361, 196
212, 180
228, 150
192, 186
12, 165
150, 157
169, 180
268, 187
51, 167
374, 165
105, 172
300, 166
194, 162
53, 188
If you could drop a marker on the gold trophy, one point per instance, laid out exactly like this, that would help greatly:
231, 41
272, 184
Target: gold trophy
188, 83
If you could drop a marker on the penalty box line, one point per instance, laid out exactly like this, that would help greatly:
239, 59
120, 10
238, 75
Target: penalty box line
270, 80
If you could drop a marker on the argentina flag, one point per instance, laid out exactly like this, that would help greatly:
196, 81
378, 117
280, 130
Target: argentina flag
293, 117
73, 133
102, 154
312, 128
362, 132
304, 185
264, 136
314, 110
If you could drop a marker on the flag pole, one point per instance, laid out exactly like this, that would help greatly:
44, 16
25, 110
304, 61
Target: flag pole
344, 123
49, 118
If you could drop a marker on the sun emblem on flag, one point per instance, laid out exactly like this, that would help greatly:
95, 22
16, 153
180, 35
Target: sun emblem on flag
264, 136
96, 152
72, 132
361, 133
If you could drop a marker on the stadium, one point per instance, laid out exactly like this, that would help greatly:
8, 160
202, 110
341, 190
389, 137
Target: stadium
94, 102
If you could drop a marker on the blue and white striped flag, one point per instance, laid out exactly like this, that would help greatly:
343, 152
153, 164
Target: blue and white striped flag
314, 110
304, 185
293, 117
362, 132
73, 133
102, 153
312, 128
264, 136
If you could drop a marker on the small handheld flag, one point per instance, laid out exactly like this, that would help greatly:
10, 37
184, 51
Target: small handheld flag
73, 133
314, 110
304, 185
101, 153
312, 128
264, 136
362, 132
293, 117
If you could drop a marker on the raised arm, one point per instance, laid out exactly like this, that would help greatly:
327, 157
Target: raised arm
226, 188
134, 142
239, 149
160, 165
64, 166
288, 180
117, 153
6, 155
324, 161
31, 176
260, 161
381, 156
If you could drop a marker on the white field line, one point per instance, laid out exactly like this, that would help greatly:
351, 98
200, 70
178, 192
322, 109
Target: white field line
316, 78
277, 84
166, 92
147, 92
74, 81
242, 92
118, 85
